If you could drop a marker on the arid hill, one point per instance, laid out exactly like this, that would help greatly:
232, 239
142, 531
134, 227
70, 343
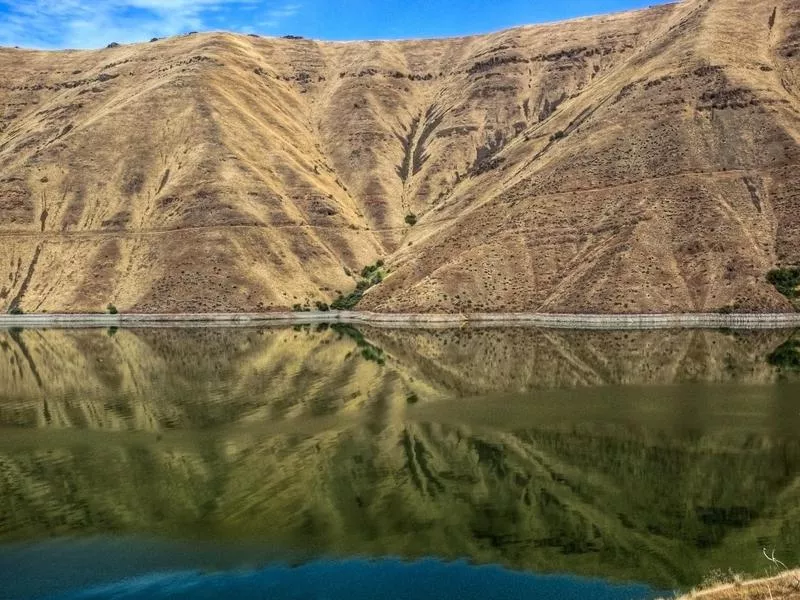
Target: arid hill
644, 161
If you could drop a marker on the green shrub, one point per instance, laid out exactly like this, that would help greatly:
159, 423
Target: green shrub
112, 310
322, 306
558, 135
15, 310
348, 302
411, 219
786, 280
730, 309
412, 398
370, 275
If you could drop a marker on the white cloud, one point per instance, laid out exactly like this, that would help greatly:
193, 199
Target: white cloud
275, 16
95, 23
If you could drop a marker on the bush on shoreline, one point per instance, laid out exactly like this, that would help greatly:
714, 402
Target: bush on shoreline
786, 280
371, 275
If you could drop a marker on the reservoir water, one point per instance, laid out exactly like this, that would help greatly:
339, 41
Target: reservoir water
341, 462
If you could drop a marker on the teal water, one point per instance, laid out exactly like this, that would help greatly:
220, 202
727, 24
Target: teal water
134, 568
338, 462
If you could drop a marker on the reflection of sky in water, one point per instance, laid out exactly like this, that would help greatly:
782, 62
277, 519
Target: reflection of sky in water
108, 569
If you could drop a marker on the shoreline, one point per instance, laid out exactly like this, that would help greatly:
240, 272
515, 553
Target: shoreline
781, 586
418, 320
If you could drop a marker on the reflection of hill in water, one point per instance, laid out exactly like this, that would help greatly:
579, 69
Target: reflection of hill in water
163, 378
167, 378
291, 437
517, 359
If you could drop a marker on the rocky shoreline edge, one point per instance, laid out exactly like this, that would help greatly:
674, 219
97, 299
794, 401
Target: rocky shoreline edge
417, 320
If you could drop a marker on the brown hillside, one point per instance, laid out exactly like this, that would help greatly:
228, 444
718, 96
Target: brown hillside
645, 161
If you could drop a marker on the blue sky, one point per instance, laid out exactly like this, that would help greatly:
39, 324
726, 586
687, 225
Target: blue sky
95, 23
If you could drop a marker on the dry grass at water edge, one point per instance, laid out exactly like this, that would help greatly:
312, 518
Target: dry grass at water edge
785, 586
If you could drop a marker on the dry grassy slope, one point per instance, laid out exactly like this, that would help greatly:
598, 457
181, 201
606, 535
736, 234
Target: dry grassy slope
222, 172
674, 188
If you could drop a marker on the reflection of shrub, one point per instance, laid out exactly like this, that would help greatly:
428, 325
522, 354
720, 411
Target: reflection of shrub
786, 356
368, 351
785, 280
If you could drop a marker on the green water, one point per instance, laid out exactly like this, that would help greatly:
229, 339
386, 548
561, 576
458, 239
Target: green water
653, 457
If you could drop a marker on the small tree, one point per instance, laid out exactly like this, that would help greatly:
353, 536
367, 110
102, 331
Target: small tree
112, 310
411, 219
786, 280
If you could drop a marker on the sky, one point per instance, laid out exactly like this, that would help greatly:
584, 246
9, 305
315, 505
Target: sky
95, 23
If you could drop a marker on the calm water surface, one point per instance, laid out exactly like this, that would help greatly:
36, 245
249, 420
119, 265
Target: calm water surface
335, 462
